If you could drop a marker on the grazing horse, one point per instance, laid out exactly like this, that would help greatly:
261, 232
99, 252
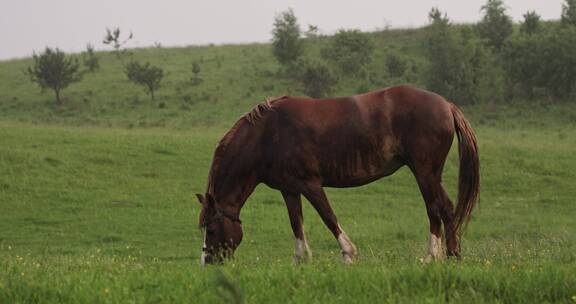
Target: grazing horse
299, 145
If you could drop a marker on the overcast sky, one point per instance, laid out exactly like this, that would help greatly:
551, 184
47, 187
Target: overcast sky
28, 25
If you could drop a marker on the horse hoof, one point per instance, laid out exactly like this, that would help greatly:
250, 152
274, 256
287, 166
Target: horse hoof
348, 258
301, 259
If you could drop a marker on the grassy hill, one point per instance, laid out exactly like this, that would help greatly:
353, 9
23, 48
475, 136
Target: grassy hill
235, 77
97, 196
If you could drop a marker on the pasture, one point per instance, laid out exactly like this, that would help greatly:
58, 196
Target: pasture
92, 214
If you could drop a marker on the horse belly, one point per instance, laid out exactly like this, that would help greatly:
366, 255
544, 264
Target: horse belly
359, 175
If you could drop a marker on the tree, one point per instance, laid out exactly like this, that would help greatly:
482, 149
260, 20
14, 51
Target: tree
91, 61
456, 60
195, 73
531, 23
146, 75
396, 64
569, 13
350, 50
113, 38
495, 26
286, 42
312, 32
316, 77
53, 70
545, 60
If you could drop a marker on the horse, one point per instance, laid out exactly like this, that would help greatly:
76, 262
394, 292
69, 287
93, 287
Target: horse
298, 145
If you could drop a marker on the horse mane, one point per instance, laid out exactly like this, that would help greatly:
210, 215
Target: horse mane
253, 117
259, 110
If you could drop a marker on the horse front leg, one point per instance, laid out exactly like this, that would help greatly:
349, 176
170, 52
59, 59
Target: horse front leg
294, 204
315, 194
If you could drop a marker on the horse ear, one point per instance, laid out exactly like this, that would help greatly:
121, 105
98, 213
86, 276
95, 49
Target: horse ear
210, 202
200, 199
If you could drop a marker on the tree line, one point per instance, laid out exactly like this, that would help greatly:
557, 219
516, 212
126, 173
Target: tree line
493, 60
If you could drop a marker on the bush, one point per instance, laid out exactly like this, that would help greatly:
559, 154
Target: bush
91, 62
53, 70
196, 80
569, 13
396, 64
350, 50
316, 77
113, 38
146, 75
531, 23
457, 61
545, 60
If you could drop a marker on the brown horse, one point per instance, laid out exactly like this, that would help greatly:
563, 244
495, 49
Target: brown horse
298, 145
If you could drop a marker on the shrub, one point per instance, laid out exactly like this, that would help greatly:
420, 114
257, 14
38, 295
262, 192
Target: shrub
91, 61
531, 23
569, 13
316, 77
196, 80
545, 60
396, 64
350, 50
53, 70
145, 75
113, 38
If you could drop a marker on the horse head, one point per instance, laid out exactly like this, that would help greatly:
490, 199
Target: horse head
222, 231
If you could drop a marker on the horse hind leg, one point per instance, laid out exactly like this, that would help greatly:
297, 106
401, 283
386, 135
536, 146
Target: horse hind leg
431, 190
294, 205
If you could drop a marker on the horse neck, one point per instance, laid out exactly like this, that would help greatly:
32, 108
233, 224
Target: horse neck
234, 172
232, 197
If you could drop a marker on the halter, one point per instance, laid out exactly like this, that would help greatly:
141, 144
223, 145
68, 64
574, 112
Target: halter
221, 213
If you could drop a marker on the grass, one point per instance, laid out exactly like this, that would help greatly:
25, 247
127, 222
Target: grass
109, 215
97, 197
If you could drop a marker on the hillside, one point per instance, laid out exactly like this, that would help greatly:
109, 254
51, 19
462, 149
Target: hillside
235, 77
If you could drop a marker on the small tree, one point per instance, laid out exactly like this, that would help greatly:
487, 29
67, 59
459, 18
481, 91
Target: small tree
456, 60
396, 64
531, 23
495, 26
313, 32
145, 75
350, 50
569, 13
113, 38
316, 77
91, 61
286, 42
54, 71
196, 73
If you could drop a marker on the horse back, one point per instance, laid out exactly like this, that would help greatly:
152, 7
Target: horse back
354, 140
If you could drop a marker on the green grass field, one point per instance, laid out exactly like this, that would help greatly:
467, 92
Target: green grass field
97, 197
109, 215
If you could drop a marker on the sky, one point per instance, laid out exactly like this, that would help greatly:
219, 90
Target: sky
30, 25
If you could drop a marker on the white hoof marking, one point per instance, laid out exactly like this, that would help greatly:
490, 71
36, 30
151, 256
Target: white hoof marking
348, 249
434, 249
302, 251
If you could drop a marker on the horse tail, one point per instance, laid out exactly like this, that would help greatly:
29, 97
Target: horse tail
469, 175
